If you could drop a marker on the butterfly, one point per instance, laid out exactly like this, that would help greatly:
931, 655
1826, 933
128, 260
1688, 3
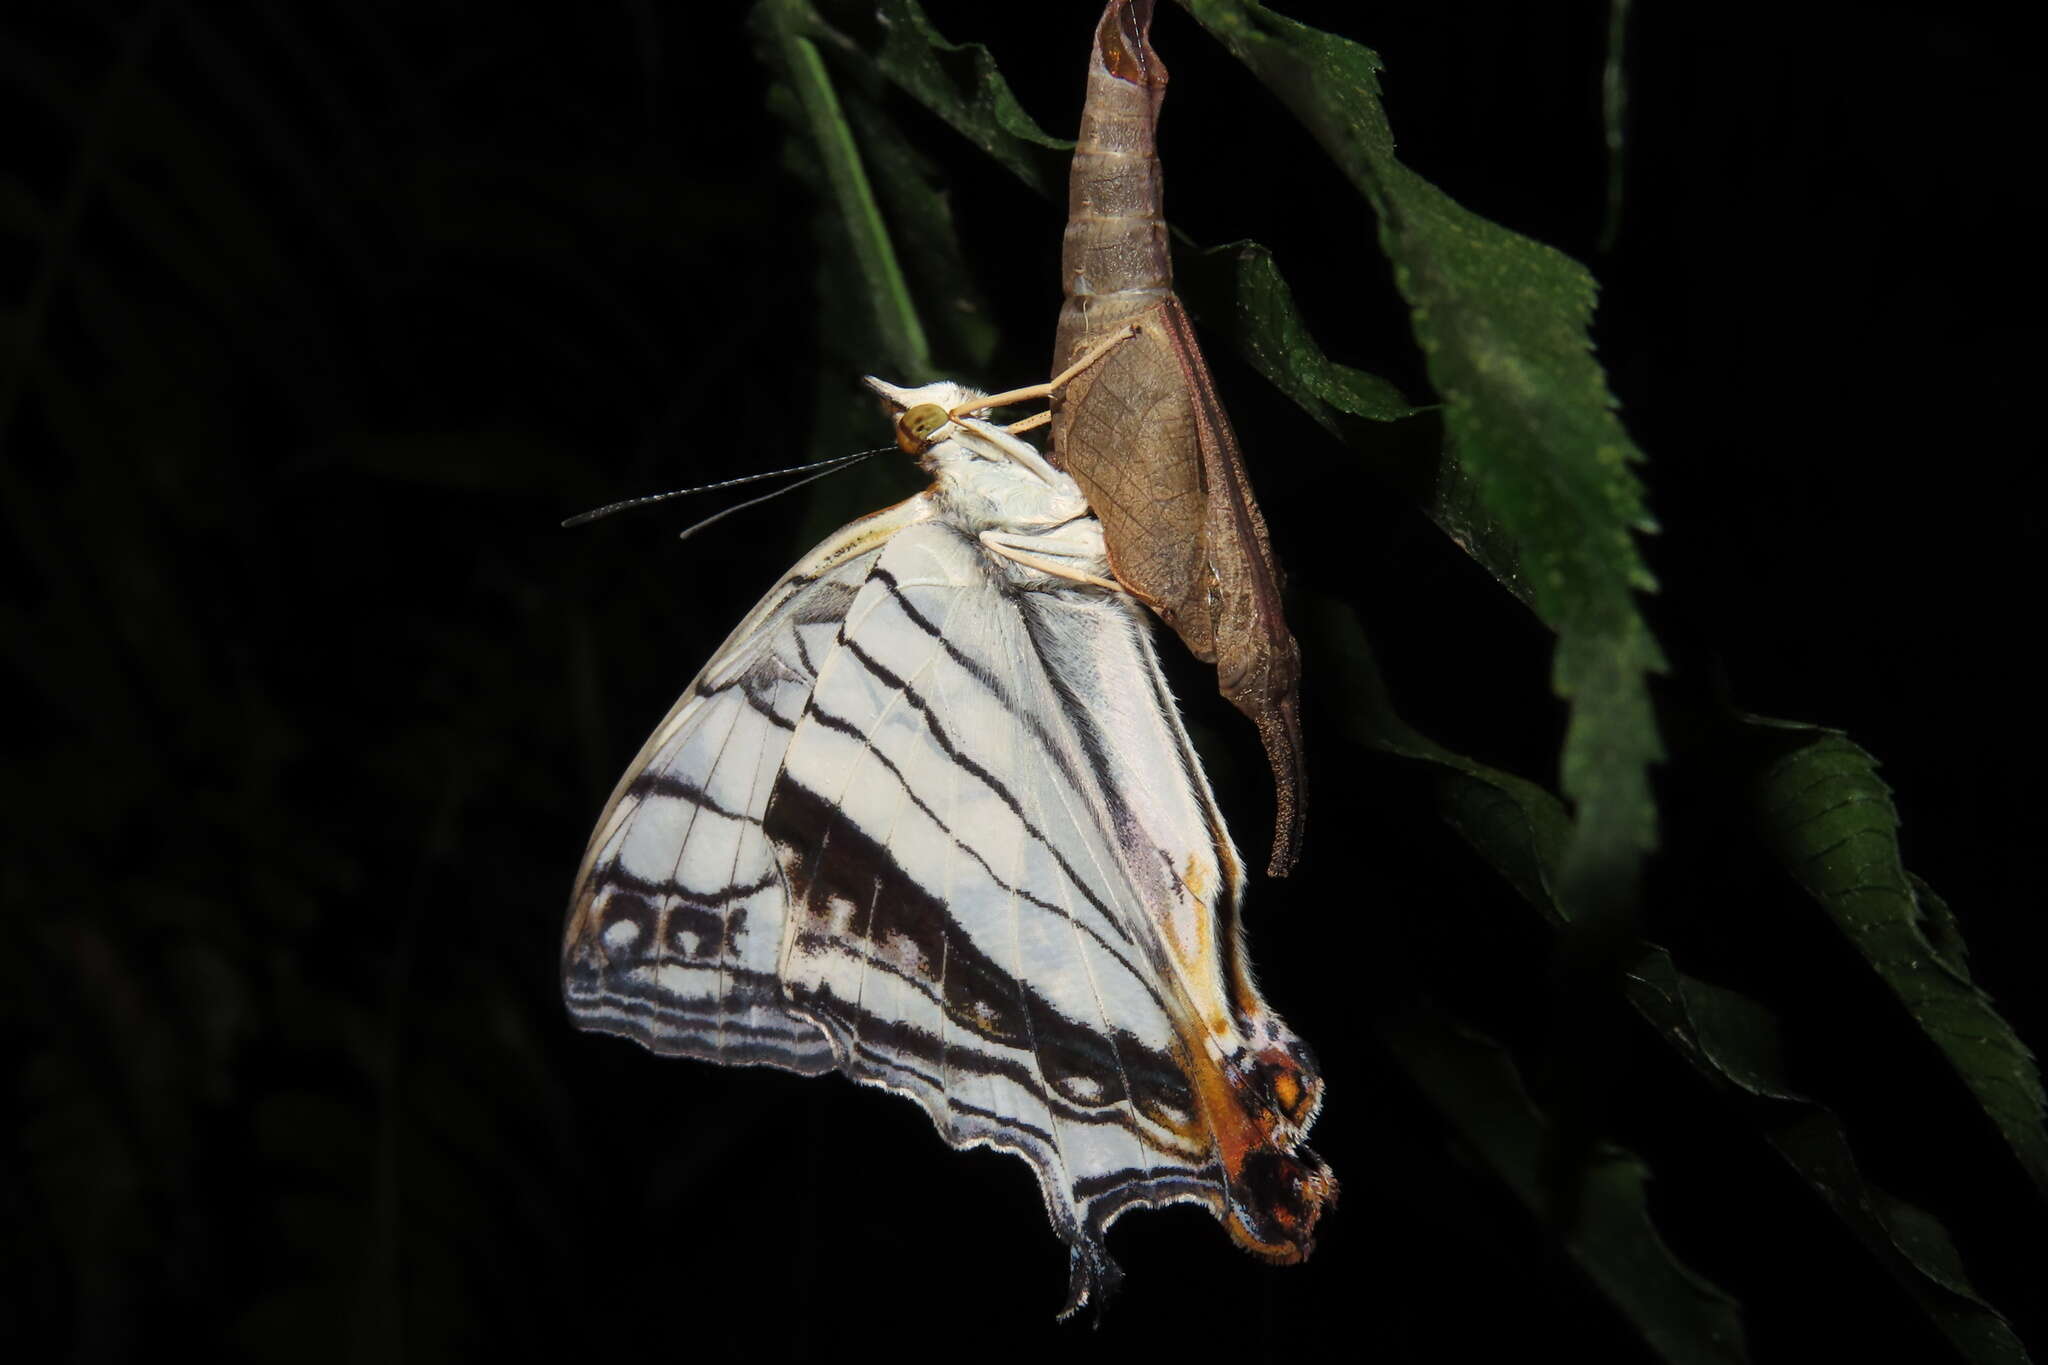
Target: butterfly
929, 818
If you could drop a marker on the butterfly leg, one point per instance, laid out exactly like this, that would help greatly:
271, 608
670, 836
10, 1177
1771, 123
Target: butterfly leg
1056, 383
1021, 549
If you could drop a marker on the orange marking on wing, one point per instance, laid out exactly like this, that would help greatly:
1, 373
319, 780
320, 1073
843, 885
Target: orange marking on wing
1263, 1173
1287, 1089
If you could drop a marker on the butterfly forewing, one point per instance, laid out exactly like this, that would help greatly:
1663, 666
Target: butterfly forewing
676, 928
963, 925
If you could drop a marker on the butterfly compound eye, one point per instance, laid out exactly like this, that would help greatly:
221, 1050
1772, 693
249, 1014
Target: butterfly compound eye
916, 427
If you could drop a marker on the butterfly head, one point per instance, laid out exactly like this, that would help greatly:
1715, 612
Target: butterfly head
927, 417
988, 474
917, 427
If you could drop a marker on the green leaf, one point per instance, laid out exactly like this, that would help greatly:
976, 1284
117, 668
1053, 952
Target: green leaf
1517, 826
920, 216
1735, 1042
959, 82
1608, 1234
1733, 1039
1830, 819
787, 27
1501, 321
1242, 289
887, 203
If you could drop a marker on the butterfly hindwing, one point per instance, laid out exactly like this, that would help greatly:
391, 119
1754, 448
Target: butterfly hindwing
964, 925
1124, 758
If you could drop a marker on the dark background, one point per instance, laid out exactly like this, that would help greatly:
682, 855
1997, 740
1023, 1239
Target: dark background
319, 318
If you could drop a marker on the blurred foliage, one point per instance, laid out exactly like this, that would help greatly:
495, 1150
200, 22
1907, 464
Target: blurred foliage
318, 318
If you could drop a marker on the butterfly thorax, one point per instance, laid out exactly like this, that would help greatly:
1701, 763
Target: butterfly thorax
992, 485
977, 491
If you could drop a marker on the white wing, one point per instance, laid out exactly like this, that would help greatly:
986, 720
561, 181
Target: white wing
677, 920
966, 926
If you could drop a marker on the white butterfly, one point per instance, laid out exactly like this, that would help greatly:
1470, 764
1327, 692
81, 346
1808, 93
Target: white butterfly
929, 818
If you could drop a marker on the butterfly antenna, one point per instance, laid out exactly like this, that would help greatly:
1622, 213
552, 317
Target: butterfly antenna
844, 463
828, 466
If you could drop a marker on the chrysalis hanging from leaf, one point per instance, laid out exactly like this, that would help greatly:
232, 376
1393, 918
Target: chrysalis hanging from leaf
1143, 432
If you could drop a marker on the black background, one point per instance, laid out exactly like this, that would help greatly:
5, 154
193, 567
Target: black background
321, 319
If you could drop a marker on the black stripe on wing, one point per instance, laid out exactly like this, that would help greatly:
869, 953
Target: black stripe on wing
941, 736
834, 860
663, 958
1117, 950
671, 787
1006, 697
